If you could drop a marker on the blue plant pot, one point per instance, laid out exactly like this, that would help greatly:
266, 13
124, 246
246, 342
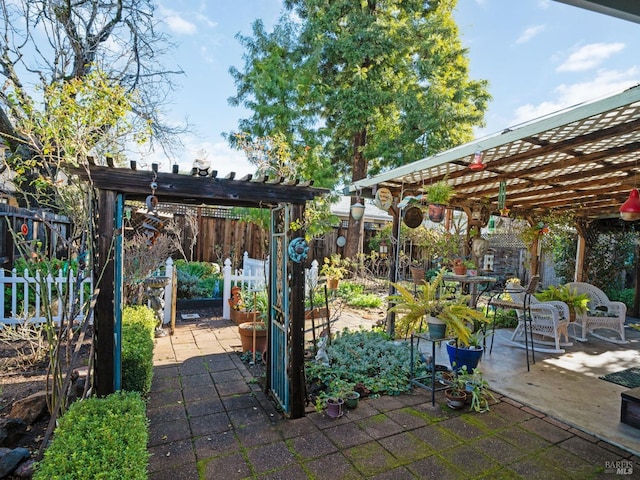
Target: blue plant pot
458, 357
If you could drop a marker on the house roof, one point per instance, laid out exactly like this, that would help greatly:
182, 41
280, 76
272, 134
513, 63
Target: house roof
625, 9
583, 159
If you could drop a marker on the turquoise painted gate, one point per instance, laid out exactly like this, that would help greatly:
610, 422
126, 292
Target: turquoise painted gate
279, 314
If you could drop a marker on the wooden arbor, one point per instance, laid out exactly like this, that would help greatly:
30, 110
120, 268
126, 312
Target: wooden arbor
114, 185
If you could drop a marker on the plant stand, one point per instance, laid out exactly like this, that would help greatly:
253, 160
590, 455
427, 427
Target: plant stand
428, 382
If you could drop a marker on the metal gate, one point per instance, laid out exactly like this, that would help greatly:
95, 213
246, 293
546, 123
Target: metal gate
280, 312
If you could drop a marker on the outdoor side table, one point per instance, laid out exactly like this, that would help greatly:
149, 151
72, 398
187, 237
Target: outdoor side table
431, 377
473, 281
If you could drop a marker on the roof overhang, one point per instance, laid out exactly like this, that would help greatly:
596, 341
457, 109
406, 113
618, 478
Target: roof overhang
625, 9
583, 160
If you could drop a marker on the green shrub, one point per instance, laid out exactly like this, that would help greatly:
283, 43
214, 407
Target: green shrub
198, 279
138, 325
99, 438
365, 300
625, 296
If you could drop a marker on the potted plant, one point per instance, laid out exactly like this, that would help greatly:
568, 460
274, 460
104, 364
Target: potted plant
461, 265
577, 302
466, 353
248, 308
253, 336
334, 268
456, 393
477, 389
449, 315
438, 195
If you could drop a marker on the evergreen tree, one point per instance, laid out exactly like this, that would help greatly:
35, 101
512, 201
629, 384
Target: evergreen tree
376, 84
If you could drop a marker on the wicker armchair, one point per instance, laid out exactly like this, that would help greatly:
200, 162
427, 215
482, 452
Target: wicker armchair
603, 314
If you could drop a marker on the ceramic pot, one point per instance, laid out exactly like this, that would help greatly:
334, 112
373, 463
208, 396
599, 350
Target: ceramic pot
334, 407
458, 357
351, 400
437, 328
240, 316
436, 213
455, 401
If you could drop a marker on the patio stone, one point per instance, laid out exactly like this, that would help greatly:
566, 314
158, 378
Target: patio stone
370, 458
229, 467
406, 447
170, 455
167, 432
379, 426
347, 435
331, 467
216, 444
435, 467
523, 440
546, 430
312, 445
472, 462
409, 418
212, 423
270, 457
202, 407
436, 437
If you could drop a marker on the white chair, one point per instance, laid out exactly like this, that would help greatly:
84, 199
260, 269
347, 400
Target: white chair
602, 314
548, 321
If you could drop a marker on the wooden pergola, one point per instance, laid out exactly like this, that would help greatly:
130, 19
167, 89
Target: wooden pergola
583, 160
115, 185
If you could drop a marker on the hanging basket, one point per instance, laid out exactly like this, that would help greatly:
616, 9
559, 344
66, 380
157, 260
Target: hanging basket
413, 217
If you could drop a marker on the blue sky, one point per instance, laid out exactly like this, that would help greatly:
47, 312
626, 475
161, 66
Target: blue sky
539, 56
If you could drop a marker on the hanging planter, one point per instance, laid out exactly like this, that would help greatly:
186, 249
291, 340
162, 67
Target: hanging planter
413, 217
436, 212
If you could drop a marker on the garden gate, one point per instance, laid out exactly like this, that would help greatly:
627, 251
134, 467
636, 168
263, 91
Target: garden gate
287, 200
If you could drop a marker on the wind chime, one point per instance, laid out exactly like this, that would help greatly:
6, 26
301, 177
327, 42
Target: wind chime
152, 224
502, 199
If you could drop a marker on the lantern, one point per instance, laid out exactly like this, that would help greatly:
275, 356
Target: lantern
630, 210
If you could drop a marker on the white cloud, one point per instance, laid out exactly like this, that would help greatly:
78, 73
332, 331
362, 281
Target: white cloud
529, 33
589, 56
177, 24
606, 82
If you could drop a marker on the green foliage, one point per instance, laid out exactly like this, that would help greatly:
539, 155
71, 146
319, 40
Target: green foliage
365, 300
138, 325
366, 357
626, 296
334, 267
440, 193
99, 438
432, 300
606, 259
392, 76
198, 279
574, 300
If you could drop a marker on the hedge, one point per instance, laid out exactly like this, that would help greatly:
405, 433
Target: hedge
138, 327
99, 438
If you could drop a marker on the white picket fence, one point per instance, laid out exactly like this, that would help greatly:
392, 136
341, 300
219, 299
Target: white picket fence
15, 310
254, 276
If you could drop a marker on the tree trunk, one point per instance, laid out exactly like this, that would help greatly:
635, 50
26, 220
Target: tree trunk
359, 170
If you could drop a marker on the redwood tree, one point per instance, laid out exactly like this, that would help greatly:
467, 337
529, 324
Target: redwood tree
376, 83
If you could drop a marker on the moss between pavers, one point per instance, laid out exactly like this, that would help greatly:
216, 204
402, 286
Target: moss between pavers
406, 447
371, 458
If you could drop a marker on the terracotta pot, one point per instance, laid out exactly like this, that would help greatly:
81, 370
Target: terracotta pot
240, 316
246, 337
332, 283
455, 401
460, 270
